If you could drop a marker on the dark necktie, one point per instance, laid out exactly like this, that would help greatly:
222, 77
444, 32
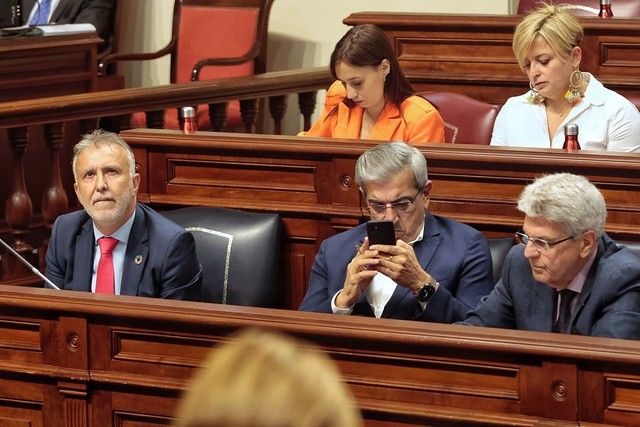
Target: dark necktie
41, 15
105, 283
564, 314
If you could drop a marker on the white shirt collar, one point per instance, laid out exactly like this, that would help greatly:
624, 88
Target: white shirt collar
121, 234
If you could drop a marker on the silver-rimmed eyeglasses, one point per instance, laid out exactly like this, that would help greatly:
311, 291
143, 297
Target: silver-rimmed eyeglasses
400, 206
539, 244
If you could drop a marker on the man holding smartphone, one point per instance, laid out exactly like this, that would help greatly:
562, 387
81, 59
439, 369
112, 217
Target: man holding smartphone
437, 270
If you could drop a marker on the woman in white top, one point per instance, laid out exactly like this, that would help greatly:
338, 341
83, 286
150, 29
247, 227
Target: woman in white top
546, 45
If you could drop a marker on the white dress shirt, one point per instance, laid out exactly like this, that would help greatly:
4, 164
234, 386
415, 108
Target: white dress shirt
379, 292
606, 121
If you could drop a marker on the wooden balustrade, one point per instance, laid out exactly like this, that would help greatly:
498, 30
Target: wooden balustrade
65, 117
77, 359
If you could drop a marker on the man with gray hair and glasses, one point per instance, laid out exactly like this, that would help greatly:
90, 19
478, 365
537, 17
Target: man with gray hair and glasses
437, 270
566, 275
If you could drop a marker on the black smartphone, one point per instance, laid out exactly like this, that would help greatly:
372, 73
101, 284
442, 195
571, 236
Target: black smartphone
381, 232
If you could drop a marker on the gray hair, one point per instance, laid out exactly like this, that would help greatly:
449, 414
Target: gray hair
568, 199
100, 137
383, 161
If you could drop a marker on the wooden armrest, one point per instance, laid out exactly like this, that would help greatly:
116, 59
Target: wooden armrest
249, 56
114, 57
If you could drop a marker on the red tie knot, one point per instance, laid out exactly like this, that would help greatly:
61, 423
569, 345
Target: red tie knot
107, 244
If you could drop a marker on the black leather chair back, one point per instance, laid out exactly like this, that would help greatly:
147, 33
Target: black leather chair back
634, 247
499, 247
239, 252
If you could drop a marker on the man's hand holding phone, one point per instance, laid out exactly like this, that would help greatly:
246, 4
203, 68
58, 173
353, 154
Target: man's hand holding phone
397, 258
360, 271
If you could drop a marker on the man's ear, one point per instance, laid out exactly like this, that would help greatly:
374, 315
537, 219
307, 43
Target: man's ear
136, 182
427, 189
589, 240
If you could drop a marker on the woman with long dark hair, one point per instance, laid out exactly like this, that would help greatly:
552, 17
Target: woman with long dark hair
372, 98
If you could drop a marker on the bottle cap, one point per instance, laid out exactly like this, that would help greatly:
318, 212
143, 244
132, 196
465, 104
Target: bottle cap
571, 129
188, 112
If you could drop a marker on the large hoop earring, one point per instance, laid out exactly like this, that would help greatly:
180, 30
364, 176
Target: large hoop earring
575, 92
534, 97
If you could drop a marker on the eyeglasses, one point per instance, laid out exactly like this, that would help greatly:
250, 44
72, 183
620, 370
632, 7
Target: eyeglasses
401, 206
539, 244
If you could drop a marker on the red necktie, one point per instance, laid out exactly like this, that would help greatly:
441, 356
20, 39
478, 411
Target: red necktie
104, 277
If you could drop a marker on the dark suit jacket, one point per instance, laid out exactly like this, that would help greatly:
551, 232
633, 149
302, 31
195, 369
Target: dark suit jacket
169, 267
100, 13
608, 306
456, 255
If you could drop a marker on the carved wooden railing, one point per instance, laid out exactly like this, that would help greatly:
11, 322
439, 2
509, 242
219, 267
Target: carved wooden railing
42, 153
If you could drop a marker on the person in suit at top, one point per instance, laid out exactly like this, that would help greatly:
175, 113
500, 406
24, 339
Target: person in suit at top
152, 257
437, 270
547, 47
372, 98
565, 255
99, 13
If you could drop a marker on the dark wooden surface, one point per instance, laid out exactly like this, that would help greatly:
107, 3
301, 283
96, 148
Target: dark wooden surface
310, 183
37, 67
472, 54
79, 359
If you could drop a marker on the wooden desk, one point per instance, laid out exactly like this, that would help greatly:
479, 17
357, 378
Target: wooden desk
310, 183
38, 67
77, 359
472, 54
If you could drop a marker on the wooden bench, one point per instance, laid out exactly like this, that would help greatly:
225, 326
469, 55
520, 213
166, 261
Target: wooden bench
310, 183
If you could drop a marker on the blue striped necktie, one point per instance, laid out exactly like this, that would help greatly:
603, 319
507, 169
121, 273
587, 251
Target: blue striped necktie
41, 15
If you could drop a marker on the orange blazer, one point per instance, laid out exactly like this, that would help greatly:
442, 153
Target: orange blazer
416, 122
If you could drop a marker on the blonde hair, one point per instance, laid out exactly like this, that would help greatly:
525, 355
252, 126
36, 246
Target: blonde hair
262, 378
555, 24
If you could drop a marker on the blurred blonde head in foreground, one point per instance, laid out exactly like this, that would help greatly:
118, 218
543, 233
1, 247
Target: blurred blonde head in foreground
266, 379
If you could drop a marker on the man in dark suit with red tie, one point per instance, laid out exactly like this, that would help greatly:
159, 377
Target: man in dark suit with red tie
115, 245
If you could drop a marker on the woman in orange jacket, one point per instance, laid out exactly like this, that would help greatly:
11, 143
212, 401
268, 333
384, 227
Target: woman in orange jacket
372, 98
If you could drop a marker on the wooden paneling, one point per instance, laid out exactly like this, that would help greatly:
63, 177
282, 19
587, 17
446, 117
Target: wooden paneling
35, 67
141, 351
310, 183
472, 54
